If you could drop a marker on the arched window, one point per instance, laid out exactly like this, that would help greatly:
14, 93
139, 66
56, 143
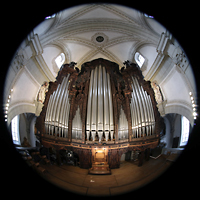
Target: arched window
185, 130
139, 59
60, 60
15, 130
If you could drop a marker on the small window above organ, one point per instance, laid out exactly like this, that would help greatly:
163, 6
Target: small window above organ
60, 60
139, 59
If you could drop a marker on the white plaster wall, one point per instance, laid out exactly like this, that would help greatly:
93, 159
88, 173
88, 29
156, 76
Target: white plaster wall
157, 27
49, 54
175, 88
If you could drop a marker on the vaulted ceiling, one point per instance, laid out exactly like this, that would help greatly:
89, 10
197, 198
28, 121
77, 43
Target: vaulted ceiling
108, 31
75, 30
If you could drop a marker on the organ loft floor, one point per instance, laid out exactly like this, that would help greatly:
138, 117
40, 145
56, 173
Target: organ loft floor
127, 178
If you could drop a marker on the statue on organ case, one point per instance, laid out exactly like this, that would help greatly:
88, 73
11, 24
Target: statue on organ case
42, 92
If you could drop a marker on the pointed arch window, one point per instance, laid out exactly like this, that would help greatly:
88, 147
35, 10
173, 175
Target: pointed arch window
60, 60
139, 59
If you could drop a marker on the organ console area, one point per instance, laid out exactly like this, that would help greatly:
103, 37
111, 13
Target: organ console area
100, 108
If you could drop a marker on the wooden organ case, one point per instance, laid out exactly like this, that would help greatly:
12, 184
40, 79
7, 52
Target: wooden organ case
98, 107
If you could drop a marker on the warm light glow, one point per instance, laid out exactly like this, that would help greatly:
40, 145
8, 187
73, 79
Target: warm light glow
194, 114
190, 93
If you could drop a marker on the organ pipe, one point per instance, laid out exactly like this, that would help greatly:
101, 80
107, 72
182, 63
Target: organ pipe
77, 126
144, 124
110, 105
100, 100
138, 111
134, 116
94, 102
106, 101
64, 101
99, 107
47, 114
56, 111
66, 118
60, 98
142, 114
88, 122
141, 103
123, 125
149, 115
152, 115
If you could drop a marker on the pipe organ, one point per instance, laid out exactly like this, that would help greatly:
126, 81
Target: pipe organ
100, 105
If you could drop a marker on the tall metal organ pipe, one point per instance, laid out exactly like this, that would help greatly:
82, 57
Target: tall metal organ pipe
106, 104
51, 131
88, 121
62, 106
110, 107
138, 110
56, 112
100, 103
142, 114
94, 102
59, 111
99, 107
149, 115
